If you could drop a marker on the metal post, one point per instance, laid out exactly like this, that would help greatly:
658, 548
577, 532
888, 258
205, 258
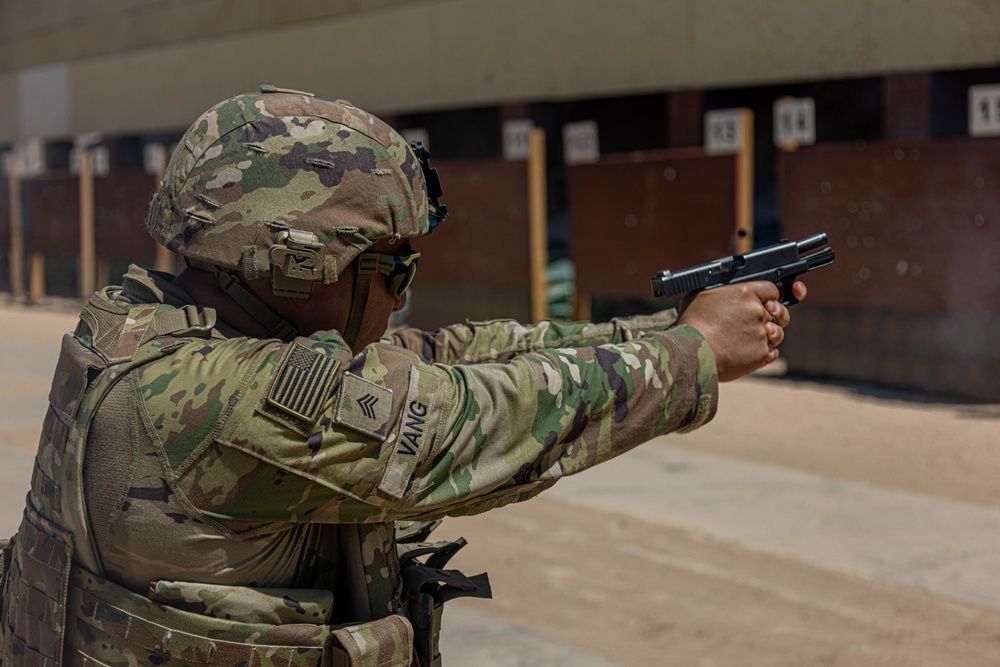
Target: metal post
16, 227
744, 184
88, 245
36, 277
165, 259
538, 225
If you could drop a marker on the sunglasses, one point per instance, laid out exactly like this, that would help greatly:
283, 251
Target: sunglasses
400, 269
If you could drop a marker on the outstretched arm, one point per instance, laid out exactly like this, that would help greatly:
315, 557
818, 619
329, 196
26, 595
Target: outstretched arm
501, 340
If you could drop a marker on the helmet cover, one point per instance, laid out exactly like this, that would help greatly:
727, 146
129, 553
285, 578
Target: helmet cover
287, 179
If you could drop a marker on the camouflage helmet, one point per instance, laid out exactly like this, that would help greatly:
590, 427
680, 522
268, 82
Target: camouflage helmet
288, 184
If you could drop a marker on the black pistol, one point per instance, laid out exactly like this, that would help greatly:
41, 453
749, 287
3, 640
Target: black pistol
780, 263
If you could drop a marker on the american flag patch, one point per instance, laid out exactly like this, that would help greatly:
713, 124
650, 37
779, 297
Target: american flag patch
303, 382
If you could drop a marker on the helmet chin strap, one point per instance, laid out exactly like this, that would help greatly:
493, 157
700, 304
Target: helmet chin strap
367, 268
275, 325
294, 262
230, 283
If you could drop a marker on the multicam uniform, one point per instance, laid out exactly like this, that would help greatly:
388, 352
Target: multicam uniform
200, 497
257, 464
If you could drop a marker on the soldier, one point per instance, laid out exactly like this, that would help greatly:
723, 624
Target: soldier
238, 467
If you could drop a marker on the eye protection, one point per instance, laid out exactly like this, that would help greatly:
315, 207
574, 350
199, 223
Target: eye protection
400, 269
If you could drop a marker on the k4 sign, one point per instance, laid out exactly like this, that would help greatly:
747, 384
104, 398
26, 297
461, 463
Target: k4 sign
794, 121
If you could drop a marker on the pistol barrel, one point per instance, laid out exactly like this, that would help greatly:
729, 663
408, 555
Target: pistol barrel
811, 242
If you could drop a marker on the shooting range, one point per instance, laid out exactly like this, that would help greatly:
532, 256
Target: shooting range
841, 507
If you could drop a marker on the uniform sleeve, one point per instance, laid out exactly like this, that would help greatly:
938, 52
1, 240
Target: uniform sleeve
499, 340
517, 427
315, 436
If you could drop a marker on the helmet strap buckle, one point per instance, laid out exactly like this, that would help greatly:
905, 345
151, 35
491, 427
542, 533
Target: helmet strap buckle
297, 263
368, 262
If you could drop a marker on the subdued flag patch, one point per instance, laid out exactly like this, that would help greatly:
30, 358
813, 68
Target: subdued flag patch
364, 406
302, 382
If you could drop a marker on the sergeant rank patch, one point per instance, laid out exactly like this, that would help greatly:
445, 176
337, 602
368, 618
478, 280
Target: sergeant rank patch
302, 382
364, 406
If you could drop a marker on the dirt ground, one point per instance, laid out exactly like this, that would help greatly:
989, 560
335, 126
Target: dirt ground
644, 594
649, 594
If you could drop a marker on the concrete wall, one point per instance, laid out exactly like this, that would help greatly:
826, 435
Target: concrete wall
37, 32
143, 65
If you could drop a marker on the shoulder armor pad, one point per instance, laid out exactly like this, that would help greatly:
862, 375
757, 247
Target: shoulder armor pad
115, 330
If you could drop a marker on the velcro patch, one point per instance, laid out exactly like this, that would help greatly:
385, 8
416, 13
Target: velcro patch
364, 406
302, 382
418, 425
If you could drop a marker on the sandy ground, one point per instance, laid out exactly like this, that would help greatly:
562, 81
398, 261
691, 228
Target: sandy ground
640, 592
645, 593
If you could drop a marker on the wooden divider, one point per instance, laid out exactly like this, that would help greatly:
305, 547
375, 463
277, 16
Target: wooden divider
635, 214
913, 299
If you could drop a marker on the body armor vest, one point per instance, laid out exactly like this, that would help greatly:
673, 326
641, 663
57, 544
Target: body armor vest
57, 608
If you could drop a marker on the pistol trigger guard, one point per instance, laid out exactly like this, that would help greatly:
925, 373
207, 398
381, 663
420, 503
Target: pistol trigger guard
787, 293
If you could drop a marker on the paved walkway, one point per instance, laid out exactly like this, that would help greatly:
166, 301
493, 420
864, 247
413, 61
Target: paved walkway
942, 546
472, 638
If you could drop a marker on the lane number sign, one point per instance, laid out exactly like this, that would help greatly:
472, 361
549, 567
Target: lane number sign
984, 111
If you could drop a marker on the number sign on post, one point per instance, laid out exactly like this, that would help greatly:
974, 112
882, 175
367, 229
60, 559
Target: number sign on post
984, 111
580, 142
723, 131
730, 132
794, 122
517, 139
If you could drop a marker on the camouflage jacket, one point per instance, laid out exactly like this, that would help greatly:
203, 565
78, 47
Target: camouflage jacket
257, 464
259, 442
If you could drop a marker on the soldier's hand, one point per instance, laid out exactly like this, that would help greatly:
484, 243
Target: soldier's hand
736, 320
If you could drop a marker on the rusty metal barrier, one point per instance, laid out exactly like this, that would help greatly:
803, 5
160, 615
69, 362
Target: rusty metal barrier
476, 265
913, 300
635, 214
52, 226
